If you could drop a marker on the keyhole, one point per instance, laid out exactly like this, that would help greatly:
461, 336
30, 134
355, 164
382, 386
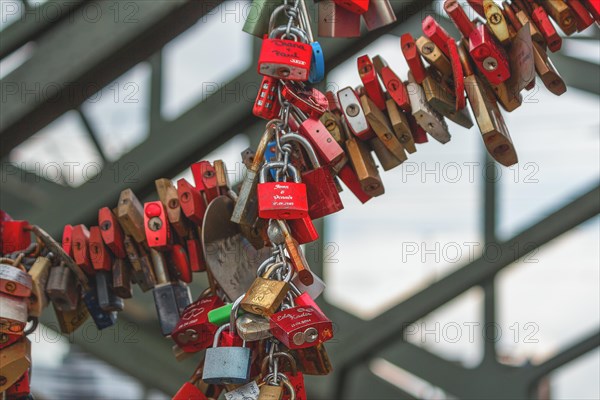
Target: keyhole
105, 225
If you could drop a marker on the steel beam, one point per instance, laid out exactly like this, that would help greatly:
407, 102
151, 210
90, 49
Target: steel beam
83, 54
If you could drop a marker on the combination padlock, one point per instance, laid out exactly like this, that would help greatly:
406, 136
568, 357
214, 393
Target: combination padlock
226, 365
284, 58
267, 104
281, 200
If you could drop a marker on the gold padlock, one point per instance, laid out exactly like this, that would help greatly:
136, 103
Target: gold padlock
39, 272
386, 159
401, 126
434, 57
130, 214
313, 360
545, 69
382, 127
70, 321
496, 21
167, 193
271, 392
222, 176
440, 97
14, 361
266, 295
562, 14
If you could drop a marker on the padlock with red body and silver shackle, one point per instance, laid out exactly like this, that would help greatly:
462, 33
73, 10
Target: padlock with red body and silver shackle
283, 58
281, 200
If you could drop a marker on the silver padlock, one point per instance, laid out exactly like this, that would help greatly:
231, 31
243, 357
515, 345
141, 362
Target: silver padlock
249, 391
226, 365
252, 327
379, 14
429, 119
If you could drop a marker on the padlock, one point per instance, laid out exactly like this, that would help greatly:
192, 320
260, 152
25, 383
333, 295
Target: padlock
412, 57
547, 72
62, 288
427, 118
112, 233
6, 339
313, 360
523, 20
195, 255
401, 126
442, 100
194, 332
253, 327
490, 58
496, 21
102, 319
489, 119
436, 33
191, 201
297, 382
582, 17
258, 16
20, 389
356, 6
392, 83
336, 21
158, 232
542, 21
13, 314
354, 115
67, 240
458, 80
246, 208
167, 193
350, 179
39, 273
107, 298
142, 272
279, 234
386, 159
196, 389
179, 263
100, 256
14, 281
281, 200
221, 315
267, 105
15, 236
183, 296
307, 99
131, 215
266, 295
274, 389
189, 391
304, 299
302, 326
562, 15
226, 365
81, 254
327, 148
379, 14
331, 122
434, 56
249, 391
121, 278
15, 360
322, 195
303, 229
70, 321
383, 129
317, 64
206, 178
284, 58
594, 8
165, 296
418, 133
368, 76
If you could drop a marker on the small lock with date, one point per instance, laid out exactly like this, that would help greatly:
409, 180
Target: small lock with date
281, 200
193, 331
284, 58
301, 326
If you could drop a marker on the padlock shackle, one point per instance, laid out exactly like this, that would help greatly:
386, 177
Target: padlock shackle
218, 334
292, 171
299, 34
294, 137
233, 315
273, 268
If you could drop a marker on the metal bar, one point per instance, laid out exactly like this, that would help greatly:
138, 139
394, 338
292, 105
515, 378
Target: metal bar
92, 134
490, 212
155, 114
387, 327
51, 83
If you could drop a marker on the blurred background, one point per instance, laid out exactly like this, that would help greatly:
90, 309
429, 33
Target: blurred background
465, 280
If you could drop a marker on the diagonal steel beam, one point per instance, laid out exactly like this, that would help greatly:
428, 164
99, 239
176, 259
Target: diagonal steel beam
101, 47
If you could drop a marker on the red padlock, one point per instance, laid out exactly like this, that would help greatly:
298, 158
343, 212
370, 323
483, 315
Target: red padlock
368, 76
392, 83
356, 6
328, 150
490, 58
6, 339
192, 202
301, 327
205, 178
413, 58
181, 263
593, 6
460, 18
67, 240
303, 230
193, 331
189, 391
297, 382
281, 200
459, 77
419, 135
304, 299
196, 255
436, 33
112, 233
284, 58
350, 179
581, 15
156, 224
15, 236
307, 99
322, 193
542, 21
99, 254
80, 243
267, 104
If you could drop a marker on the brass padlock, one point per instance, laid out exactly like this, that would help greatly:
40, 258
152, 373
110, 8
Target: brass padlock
435, 57
313, 360
222, 176
167, 193
401, 126
15, 360
130, 213
121, 278
386, 159
496, 21
39, 271
562, 14
440, 97
382, 127
70, 321
545, 69
332, 123
62, 288
143, 274
266, 295
280, 230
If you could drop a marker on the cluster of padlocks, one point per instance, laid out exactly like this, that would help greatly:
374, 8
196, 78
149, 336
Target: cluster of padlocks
258, 321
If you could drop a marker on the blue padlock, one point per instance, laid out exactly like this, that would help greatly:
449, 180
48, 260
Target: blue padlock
102, 319
271, 156
317, 66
